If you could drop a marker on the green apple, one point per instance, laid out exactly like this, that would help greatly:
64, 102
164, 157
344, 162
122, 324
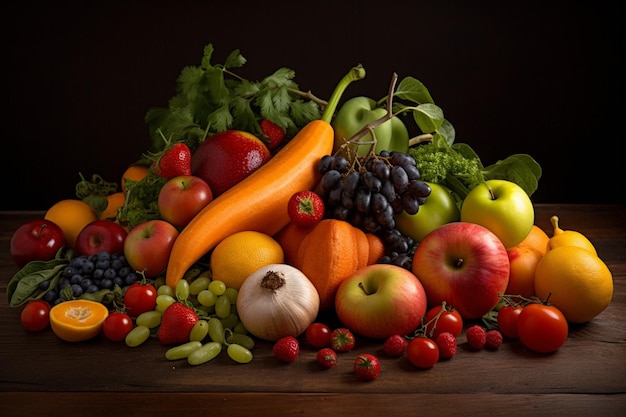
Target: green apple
440, 208
501, 206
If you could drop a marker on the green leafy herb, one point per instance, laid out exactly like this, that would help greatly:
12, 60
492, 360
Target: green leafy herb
459, 168
211, 98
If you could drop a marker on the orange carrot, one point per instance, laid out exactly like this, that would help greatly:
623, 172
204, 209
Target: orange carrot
259, 202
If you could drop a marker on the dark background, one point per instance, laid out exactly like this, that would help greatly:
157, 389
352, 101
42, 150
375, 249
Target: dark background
542, 78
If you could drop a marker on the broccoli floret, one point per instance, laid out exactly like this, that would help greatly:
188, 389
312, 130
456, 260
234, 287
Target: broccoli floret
439, 163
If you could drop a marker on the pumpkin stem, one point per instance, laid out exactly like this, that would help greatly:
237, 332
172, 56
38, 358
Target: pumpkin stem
273, 280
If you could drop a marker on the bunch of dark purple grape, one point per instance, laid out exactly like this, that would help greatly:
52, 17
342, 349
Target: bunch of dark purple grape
369, 191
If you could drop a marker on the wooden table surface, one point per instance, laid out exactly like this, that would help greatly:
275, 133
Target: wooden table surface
42, 375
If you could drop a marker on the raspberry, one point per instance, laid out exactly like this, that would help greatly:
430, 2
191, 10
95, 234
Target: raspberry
446, 342
476, 337
395, 346
493, 339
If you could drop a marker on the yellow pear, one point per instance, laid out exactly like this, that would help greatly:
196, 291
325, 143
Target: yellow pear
562, 237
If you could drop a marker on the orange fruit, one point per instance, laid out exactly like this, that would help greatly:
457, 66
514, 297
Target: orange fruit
579, 283
537, 239
134, 173
71, 216
242, 253
114, 202
523, 260
78, 320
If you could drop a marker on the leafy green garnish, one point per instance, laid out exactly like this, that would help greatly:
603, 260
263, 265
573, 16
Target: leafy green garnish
211, 98
458, 167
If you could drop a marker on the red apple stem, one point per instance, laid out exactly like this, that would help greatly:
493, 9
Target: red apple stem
361, 286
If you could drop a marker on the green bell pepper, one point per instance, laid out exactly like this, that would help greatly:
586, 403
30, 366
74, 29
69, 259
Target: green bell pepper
355, 113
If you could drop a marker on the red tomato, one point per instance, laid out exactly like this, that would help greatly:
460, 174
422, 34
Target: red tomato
140, 298
507, 320
542, 328
318, 335
35, 316
116, 326
422, 352
449, 320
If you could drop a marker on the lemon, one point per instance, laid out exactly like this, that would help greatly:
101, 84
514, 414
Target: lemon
242, 253
579, 283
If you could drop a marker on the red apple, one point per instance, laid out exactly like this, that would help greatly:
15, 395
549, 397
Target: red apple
36, 240
182, 197
464, 264
101, 235
228, 157
148, 246
381, 300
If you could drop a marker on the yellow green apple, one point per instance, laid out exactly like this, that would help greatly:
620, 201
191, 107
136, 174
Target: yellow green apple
501, 206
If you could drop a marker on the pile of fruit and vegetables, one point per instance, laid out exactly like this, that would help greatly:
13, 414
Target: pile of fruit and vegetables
259, 209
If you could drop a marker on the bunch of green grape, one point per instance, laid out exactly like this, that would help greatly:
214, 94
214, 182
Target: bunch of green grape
218, 327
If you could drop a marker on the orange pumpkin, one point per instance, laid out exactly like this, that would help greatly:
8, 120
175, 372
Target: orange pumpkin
328, 255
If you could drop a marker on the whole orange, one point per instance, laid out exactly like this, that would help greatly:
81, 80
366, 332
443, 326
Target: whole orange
134, 173
242, 253
578, 282
71, 215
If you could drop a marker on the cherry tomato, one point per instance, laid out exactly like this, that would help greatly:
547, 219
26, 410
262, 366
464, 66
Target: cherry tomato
449, 320
422, 352
116, 326
542, 328
140, 298
507, 320
35, 316
318, 335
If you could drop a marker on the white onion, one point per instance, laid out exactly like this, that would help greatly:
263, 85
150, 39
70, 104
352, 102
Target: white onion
277, 300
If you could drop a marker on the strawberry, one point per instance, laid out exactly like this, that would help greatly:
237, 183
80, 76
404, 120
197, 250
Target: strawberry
305, 208
341, 340
476, 337
173, 161
493, 339
446, 342
395, 346
286, 349
274, 133
176, 324
326, 357
366, 366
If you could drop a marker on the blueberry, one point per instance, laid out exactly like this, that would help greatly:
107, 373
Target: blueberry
117, 264
92, 288
106, 284
68, 271
131, 278
104, 256
77, 290
103, 264
110, 273
98, 273
124, 271
76, 279
88, 267
85, 283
